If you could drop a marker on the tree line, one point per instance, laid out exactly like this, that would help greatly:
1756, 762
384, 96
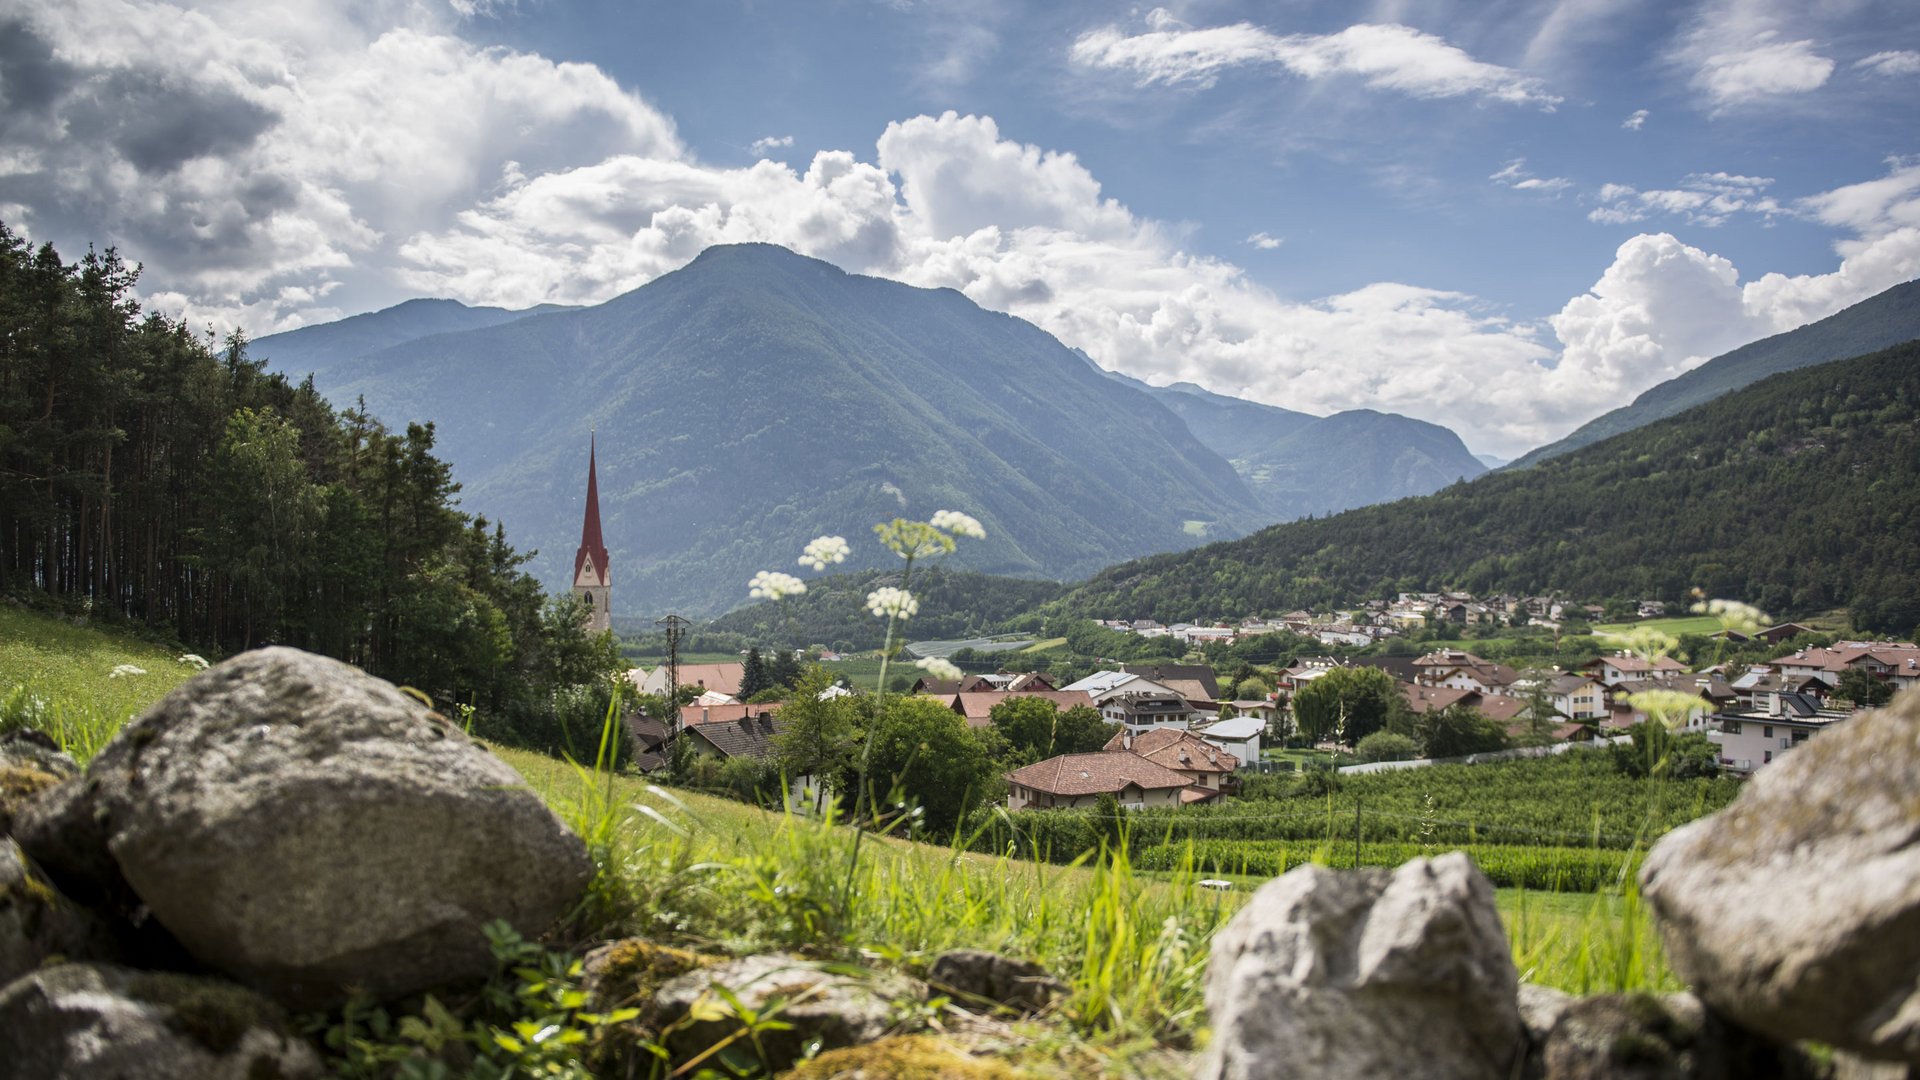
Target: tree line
150, 476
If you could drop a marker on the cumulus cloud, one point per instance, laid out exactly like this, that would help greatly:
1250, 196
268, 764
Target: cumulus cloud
1709, 199
761, 146
1264, 241
253, 157
1385, 57
1635, 121
1895, 63
1738, 56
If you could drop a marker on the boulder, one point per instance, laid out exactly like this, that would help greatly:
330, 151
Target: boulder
314, 832
831, 1008
1654, 1037
902, 1057
975, 975
82, 1021
1366, 973
1795, 911
37, 923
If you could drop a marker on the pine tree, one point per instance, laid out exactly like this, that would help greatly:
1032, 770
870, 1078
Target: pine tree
754, 677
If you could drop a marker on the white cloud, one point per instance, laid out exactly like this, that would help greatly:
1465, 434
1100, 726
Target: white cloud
1636, 121
760, 147
1265, 242
1516, 176
1737, 55
254, 158
1899, 62
1386, 57
1709, 199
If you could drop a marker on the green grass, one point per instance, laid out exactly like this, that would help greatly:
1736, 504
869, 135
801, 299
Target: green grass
1684, 624
1307, 758
1043, 646
62, 674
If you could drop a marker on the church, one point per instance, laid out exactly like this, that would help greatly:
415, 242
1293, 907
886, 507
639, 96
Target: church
592, 580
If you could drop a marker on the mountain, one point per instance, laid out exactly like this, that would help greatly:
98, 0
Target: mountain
316, 348
1298, 464
953, 604
1888, 319
1491, 461
755, 399
1798, 493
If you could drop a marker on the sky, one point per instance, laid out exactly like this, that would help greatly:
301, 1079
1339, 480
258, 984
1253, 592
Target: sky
1506, 216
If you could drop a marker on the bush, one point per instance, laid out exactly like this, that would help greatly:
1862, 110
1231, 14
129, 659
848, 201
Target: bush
1387, 746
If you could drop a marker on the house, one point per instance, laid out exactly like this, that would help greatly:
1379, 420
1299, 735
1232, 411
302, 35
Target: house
1569, 694
1194, 682
1749, 740
1104, 685
1614, 670
1144, 710
1206, 765
647, 741
1433, 699
977, 706
1894, 662
1071, 780
698, 715
746, 736
1239, 736
722, 677
965, 684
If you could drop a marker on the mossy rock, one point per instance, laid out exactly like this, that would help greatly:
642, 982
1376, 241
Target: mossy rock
902, 1057
214, 1014
626, 973
38, 925
1659, 1037
20, 784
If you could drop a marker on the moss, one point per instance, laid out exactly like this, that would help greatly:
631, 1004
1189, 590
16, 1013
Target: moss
18, 786
214, 1014
903, 1057
631, 971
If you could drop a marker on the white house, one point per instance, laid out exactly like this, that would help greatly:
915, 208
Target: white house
1239, 736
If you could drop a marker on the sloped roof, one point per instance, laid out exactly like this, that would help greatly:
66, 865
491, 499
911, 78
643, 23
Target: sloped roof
1425, 699
703, 715
1167, 675
722, 677
750, 737
1091, 774
1239, 727
1176, 749
978, 706
592, 548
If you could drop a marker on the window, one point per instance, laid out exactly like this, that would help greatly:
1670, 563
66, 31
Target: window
1767, 731
1731, 727
1767, 756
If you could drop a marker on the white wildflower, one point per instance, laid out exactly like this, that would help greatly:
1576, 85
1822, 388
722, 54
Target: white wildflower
958, 524
889, 601
194, 661
125, 671
774, 585
1733, 615
823, 550
939, 667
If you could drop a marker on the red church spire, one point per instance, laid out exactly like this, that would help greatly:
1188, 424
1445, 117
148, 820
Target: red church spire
592, 547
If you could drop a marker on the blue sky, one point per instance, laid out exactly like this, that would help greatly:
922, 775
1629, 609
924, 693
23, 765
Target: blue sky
1504, 217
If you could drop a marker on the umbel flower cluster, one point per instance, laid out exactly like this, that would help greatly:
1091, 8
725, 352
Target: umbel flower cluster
910, 540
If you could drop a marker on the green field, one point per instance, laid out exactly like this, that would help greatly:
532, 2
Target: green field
1684, 624
82, 682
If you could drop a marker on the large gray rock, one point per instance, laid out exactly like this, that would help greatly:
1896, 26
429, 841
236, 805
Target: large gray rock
1654, 1037
1796, 910
312, 831
37, 923
829, 1008
91, 1021
1366, 973
30, 764
976, 975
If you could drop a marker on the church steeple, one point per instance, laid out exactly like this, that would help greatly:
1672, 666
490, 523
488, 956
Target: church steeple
592, 579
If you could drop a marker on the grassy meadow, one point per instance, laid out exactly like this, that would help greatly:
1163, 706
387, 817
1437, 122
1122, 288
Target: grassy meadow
80, 682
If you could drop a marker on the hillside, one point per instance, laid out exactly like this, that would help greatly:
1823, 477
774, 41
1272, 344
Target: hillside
1298, 464
312, 349
1881, 321
1798, 493
756, 398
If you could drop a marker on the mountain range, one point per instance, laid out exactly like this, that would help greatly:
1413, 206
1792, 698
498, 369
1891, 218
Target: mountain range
1886, 319
757, 398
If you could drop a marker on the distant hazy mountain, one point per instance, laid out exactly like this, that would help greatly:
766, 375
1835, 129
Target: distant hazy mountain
1490, 461
317, 348
1890, 318
756, 399
1298, 464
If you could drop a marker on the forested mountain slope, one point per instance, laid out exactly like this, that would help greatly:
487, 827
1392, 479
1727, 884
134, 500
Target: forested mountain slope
1799, 493
1888, 319
313, 349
